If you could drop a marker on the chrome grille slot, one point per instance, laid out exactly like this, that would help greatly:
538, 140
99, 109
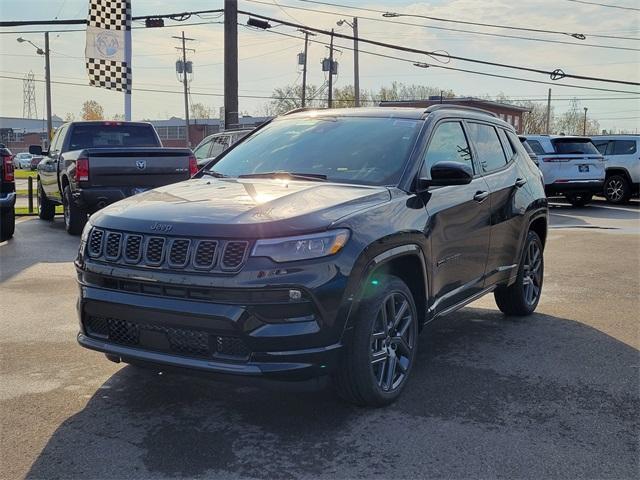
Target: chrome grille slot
95, 242
234, 254
112, 245
155, 250
133, 248
179, 252
205, 254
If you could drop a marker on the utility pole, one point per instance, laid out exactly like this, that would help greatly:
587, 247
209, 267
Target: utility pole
584, 125
330, 97
356, 63
47, 75
185, 83
304, 69
230, 63
548, 112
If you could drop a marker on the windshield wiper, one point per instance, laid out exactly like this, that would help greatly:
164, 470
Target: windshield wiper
314, 177
213, 173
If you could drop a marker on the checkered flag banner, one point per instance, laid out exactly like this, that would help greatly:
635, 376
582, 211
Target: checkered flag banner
106, 53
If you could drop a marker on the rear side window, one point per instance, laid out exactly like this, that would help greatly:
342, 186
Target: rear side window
99, 135
536, 147
202, 151
624, 147
574, 146
490, 153
448, 144
601, 145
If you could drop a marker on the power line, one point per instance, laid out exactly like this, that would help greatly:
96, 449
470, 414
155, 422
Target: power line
469, 32
555, 74
389, 14
605, 5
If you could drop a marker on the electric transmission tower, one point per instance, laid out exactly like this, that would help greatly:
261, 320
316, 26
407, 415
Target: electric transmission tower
29, 109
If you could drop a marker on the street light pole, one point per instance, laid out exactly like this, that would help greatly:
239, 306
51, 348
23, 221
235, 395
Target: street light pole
47, 74
356, 66
584, 125
47, 79
330, 96
304, 69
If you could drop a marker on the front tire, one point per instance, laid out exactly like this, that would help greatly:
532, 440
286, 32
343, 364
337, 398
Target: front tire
616, 189
579, 199
378, 360
7, 223
523, 296
46, 208
74, 217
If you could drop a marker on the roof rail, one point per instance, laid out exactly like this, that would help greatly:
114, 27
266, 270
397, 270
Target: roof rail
444, 106
301, 109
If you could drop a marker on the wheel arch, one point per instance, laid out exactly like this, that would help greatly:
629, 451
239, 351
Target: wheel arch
539, 225
618, 171
406, 262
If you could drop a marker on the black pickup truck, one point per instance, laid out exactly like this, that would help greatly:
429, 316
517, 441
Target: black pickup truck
93, 164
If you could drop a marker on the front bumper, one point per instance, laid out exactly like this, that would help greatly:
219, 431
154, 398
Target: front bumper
245, 332
7, 200
574, 186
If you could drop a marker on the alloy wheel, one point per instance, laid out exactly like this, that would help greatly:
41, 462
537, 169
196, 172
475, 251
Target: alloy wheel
532, 277
392, 342
614, 190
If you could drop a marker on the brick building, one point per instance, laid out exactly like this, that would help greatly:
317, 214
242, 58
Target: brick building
18, 133
509, 113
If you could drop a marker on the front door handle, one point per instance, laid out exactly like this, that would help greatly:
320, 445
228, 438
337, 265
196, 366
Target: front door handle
520, 182
480, 196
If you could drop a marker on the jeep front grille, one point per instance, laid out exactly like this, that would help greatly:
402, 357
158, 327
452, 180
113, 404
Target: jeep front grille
153, 251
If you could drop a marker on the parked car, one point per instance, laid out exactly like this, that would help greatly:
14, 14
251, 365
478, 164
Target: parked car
571, 166
213, 145
530, 152
35, 161
22, 160
622, 155
7, 195
319, 245
93, 164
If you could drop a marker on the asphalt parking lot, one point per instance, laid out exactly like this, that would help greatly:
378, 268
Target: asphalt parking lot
554, 395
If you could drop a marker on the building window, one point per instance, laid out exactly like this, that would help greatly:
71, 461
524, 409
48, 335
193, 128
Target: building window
516, 121
510, 119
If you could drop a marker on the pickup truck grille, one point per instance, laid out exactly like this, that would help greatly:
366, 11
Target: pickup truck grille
167, 252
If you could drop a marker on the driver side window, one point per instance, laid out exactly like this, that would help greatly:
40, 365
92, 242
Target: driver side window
448, 144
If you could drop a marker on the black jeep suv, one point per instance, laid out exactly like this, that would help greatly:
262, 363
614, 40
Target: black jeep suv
321, 244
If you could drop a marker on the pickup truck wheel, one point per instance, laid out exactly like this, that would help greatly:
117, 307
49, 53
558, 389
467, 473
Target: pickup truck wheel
7, 223
377, 362
616, 189
579, 199
523, 296
46, 208
74, 217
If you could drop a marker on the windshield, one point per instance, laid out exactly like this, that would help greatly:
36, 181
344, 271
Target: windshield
574, 146
97, 135
362, 150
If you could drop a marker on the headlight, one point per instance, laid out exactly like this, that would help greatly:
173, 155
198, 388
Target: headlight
304, 247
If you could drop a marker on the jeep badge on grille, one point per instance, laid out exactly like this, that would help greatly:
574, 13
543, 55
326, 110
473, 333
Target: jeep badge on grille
161, 227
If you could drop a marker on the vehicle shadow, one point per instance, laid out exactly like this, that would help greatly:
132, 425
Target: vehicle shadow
36, 241
489, 396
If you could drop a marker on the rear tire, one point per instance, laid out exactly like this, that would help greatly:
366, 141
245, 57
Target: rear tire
46, 208
377, 361
579, 199
75, 218
7, 223
522, 297
617, 189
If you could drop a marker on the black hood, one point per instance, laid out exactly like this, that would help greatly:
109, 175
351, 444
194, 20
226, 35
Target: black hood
246, 208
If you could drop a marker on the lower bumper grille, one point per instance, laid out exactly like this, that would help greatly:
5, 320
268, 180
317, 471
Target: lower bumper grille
179, 341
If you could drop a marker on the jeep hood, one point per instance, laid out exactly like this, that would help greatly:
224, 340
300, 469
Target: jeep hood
246, 208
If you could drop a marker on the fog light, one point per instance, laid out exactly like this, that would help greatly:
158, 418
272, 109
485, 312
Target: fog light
295, 295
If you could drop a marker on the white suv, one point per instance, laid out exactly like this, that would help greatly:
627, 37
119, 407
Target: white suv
622, 155
571, 166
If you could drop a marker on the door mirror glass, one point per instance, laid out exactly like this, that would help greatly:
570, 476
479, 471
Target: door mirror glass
35, 149
448, 173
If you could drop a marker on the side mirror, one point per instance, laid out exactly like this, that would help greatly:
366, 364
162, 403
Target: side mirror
35, 150
447, 173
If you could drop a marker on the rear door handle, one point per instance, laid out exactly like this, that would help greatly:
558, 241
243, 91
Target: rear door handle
520, 182
480, 196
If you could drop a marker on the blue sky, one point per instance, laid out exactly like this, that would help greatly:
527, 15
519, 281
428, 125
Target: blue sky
269, 60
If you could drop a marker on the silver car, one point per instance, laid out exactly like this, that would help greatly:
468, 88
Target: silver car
22, 160
213, 145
